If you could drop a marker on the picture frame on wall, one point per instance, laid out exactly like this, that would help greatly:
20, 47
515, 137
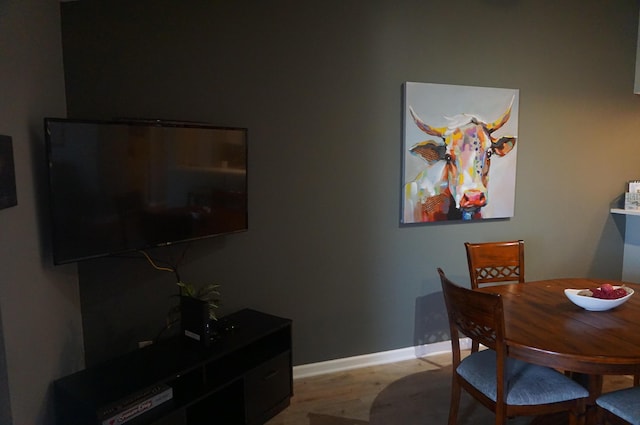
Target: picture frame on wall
452, 136
8, 194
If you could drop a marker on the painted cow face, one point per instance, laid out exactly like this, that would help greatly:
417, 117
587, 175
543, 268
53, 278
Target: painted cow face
466, 146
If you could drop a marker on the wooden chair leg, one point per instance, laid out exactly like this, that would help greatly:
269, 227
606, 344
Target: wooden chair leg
636, 380
578, 415
455, 400
501, 414
600, 419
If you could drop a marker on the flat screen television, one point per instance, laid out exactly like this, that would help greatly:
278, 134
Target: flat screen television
120, 186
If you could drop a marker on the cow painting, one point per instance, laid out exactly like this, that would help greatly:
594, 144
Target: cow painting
454, 183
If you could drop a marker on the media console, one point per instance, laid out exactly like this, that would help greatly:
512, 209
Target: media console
243, 378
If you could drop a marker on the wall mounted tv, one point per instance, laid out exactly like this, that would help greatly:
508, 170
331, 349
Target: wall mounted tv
119, 186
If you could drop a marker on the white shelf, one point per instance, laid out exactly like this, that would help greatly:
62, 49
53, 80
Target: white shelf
626, 212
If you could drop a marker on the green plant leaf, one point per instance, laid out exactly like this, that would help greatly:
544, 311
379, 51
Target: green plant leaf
209, 294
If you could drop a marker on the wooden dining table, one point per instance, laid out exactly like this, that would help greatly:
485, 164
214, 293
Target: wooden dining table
544, 327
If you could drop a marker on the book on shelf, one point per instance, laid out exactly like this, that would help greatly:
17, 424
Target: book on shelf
632, 201
134, 405
633, 186
632, 195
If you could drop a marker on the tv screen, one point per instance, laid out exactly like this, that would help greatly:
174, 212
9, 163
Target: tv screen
118, 186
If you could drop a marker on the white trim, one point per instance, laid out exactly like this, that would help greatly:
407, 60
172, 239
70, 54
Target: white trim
347, 363
624, 211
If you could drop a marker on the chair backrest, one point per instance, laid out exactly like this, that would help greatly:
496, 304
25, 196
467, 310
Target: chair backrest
493, 262
477, 315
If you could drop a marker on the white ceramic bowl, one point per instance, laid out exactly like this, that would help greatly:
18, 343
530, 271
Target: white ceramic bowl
595, 304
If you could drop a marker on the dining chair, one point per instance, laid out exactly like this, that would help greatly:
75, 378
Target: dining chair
495, 262
621, 407
507, 386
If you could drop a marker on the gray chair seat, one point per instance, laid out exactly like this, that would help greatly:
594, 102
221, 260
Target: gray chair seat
528, 384
622, 403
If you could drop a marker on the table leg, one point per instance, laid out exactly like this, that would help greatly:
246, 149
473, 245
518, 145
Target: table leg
595, 389
593, 383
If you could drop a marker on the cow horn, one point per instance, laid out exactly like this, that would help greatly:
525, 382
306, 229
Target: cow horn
433, 131
502, 120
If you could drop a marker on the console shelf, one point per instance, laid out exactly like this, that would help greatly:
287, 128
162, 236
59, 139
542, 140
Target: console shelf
243, 378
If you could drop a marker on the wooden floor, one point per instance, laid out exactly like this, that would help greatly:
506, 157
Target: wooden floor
348, 398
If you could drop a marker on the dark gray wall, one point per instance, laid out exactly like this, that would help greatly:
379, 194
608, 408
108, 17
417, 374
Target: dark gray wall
5, 405
319, 87
41, 333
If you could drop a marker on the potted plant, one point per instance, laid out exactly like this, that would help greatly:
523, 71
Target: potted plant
207, 294
198, 311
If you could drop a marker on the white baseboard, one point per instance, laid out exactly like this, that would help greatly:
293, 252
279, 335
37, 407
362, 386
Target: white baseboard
347, 363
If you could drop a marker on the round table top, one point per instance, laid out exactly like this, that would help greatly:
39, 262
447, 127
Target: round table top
543, 326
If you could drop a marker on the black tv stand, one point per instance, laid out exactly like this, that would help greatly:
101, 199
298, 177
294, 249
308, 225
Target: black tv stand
243, 378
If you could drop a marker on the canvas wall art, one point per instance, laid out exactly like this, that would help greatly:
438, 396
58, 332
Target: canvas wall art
8, 197
459, 152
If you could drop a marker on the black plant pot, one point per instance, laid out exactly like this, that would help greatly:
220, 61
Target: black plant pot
194, 319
